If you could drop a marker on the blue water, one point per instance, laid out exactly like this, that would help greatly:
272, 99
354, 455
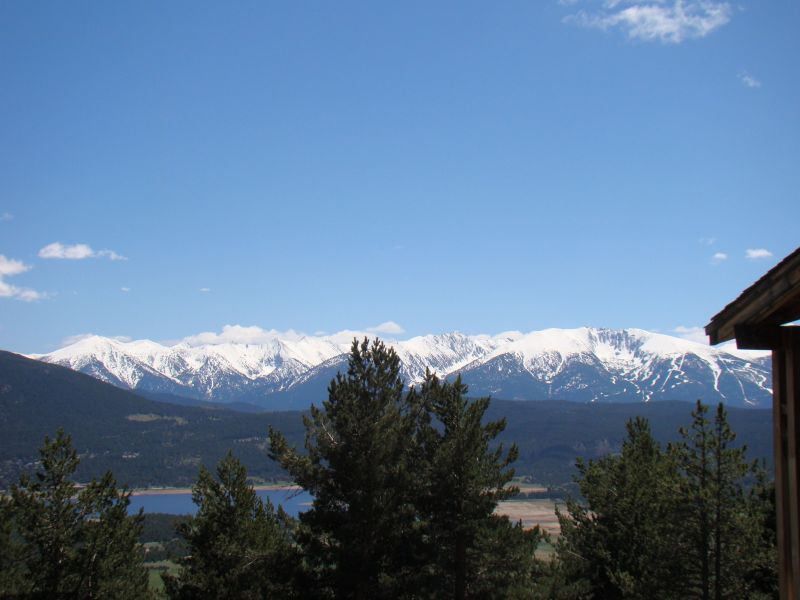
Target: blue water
293, 502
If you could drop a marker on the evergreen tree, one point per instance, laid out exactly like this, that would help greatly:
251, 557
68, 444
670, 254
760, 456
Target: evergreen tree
360, 538
66, 542
693, 522
240, 547
12, 577
761, 571
621, 542
722, 522
474, 553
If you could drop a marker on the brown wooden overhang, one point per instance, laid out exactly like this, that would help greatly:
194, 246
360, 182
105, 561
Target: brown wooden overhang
771, 301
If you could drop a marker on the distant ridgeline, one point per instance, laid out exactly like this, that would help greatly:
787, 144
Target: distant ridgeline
580, 365
145, 442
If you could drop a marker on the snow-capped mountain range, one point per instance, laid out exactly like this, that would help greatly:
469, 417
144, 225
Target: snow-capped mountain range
585, 365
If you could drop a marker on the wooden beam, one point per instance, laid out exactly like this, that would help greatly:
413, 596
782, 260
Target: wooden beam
786, 427
758, 337
792, 513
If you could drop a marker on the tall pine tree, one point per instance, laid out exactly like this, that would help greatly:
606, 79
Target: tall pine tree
621, 541
692, 522
473, 552
360, 536
721, 520
70, 542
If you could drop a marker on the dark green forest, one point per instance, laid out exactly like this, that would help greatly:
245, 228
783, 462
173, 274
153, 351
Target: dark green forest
405, 486
149, 443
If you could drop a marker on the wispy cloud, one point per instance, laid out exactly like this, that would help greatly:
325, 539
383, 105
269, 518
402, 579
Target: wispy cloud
205, 290
9, 268
79, 337
668, 21
6, 216
707, 241
111, 255
718, 257
749, 81
757, 253
693, 334
60, 251
125, 289
239, 334
387, 328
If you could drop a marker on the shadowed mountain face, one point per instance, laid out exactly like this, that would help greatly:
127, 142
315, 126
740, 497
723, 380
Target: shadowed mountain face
581, 365
142, 441
585, 378
153, 443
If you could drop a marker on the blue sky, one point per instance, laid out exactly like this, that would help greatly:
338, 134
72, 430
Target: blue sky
171, 168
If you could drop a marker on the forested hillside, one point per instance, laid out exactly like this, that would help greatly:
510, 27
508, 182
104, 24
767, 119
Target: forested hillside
154, 443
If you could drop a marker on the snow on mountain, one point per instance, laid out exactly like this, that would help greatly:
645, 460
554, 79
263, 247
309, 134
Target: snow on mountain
584, 364
589, 365
442, 354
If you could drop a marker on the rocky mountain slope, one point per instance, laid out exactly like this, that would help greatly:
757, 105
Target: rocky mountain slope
584, 365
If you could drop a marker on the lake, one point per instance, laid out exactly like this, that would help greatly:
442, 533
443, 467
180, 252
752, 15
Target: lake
180, 503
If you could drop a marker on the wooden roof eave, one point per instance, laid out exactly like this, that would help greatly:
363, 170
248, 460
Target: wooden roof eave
772, 300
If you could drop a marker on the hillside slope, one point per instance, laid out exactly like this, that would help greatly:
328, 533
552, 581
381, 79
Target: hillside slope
144, 442
152, 443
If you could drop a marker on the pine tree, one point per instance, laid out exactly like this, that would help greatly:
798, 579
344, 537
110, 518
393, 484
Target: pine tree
474, 553
360, 536
761, 570
70, 542
621, 542
12, 575
240, 547
722, 522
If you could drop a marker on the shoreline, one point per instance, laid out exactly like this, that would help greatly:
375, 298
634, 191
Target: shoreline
163, 491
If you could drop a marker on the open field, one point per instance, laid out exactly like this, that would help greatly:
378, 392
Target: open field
540, 512
162, 491
530, 488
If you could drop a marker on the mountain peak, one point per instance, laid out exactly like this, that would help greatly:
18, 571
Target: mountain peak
585, 363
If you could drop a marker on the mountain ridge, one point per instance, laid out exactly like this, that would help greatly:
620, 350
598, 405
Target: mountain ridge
582, 364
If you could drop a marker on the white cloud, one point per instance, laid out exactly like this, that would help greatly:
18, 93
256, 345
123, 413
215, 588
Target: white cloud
694, 334
668, 21
125, 289
205, 290
707, 241
74, 252
757, 253
238, 334
61, 251
6, 216
74, 339
749, 81
346, 336
8, 268
387, 327
25, 294
718, 258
